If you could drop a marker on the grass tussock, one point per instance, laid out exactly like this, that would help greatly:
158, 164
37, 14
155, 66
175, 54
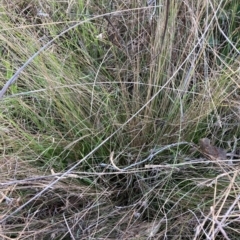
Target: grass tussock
100, 129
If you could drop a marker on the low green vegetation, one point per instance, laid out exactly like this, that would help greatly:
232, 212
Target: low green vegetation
100, 131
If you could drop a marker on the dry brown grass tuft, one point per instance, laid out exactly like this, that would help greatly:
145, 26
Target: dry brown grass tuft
98, 131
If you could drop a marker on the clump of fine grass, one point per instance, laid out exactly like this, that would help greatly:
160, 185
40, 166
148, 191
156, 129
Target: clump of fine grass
101, 103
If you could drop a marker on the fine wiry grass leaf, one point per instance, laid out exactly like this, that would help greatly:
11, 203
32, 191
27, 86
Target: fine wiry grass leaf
100, 125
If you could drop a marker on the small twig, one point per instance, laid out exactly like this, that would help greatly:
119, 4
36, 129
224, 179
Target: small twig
220, 228
24, 181
220, 29
232, 154
219, 225
154, 4
6, 198
149, 158
227, 213
112, 162
69, 230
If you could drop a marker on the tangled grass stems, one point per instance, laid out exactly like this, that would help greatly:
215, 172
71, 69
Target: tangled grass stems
106, 84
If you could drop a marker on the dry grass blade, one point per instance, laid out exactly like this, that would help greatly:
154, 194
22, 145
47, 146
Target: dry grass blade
124, 121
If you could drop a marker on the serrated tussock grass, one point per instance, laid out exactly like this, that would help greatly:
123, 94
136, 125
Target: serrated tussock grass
126, 86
